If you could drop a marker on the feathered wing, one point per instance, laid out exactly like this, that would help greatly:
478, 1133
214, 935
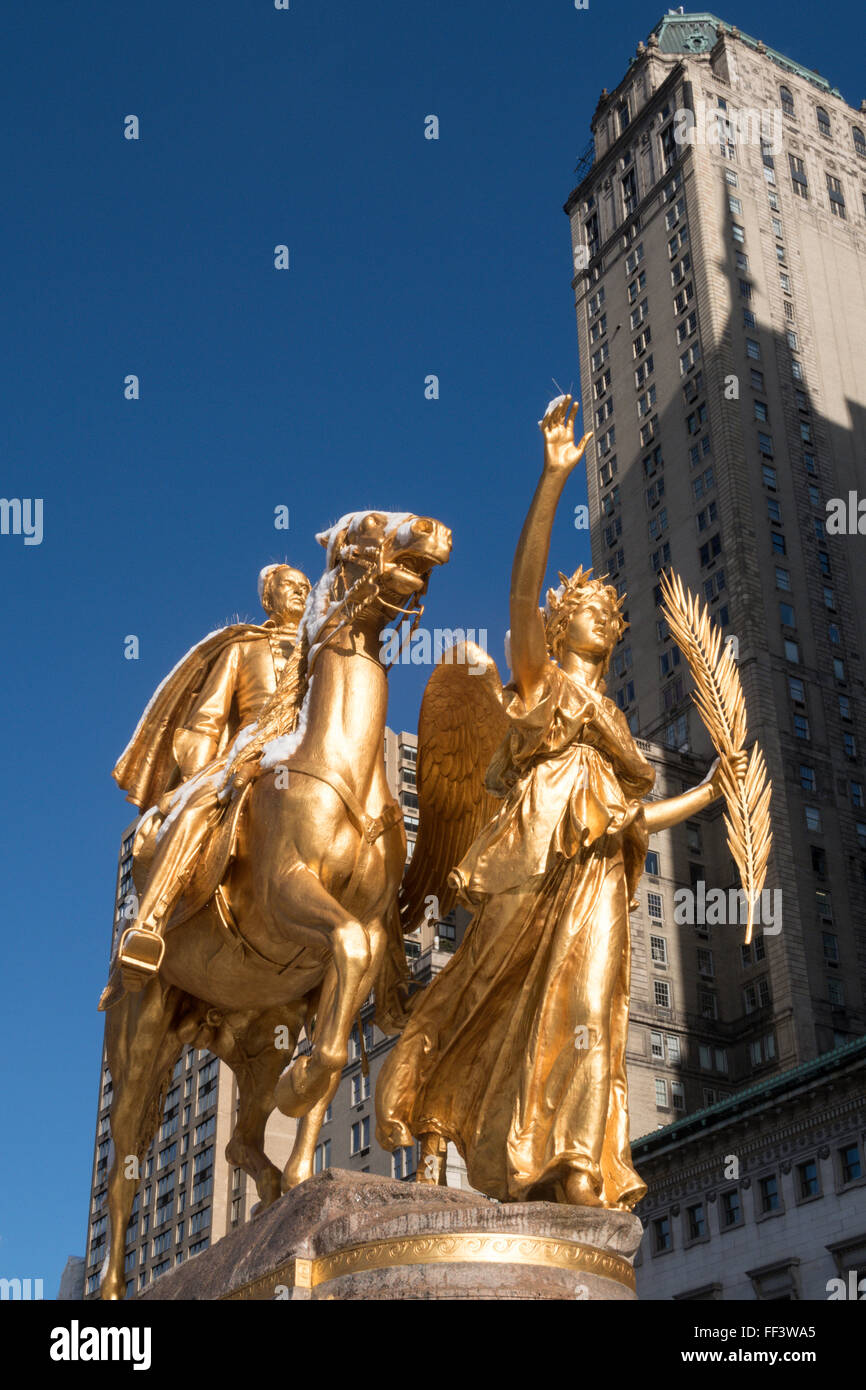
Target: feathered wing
461, 724
721, 704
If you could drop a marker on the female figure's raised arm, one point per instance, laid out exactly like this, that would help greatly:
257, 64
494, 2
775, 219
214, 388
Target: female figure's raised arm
528, 650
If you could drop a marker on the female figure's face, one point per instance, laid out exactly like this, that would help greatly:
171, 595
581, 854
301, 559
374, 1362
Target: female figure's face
592, 628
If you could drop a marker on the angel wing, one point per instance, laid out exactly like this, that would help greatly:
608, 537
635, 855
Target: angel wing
461, 724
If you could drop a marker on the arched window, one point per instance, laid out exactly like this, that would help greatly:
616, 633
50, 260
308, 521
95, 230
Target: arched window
823, 121
859, 142
787, 101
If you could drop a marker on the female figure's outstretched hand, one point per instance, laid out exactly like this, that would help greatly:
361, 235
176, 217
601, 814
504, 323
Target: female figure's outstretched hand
561, 454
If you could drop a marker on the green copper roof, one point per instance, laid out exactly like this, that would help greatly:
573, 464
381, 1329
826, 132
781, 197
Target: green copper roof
696, 33
779, 1082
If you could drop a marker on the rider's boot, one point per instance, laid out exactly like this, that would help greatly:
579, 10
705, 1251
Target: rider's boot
140, 955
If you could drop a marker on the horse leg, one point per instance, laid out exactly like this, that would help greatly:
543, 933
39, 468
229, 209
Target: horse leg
302, 1157
319, 920
142, 1047
257, 1061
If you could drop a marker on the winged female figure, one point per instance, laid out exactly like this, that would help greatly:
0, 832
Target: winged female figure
516, 1051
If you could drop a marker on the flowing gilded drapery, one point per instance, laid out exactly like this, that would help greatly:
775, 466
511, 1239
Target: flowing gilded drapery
516, 1052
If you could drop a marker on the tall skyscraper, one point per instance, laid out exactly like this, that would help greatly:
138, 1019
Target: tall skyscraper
719, 238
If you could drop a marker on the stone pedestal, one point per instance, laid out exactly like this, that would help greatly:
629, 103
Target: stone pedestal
353, 1236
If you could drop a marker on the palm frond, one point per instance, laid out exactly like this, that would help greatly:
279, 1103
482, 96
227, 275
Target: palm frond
719, 698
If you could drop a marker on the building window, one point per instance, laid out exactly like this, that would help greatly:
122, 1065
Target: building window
708, 1004
768, 1189
322, 1156
732, 1211
756, 995
404, 1162
753, 349
678, 1095
661, 1093
799, 180
813, 818
659, 950
360, 1136
657, 1046
598, 329
787, 101
807, 1179
662, 1240
636, 286
634, 259
662, 994
849, 1161
823, 121
696, 1221
836, 196
688, 326
629, 193
590, 228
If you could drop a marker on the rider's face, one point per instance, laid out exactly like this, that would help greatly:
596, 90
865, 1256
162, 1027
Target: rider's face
287, 594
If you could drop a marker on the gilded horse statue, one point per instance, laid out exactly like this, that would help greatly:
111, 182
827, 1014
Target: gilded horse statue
305, 923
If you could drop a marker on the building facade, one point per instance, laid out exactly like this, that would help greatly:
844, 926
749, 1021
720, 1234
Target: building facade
762, 1197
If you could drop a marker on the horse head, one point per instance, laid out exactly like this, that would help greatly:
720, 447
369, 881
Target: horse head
377, 563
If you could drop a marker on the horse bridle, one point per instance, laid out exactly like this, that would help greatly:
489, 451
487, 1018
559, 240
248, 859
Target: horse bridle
367, 588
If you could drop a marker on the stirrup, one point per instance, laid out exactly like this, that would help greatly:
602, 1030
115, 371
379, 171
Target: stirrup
140, 955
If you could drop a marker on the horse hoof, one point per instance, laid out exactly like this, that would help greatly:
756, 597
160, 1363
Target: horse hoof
300, 1086
268, 1188
294, 1178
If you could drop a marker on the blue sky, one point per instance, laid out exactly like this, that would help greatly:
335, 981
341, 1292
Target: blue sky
258, 388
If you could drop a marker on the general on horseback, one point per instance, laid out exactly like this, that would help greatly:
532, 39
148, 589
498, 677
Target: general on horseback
269, 857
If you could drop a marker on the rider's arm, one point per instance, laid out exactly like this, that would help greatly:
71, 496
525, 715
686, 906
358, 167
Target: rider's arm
198, 741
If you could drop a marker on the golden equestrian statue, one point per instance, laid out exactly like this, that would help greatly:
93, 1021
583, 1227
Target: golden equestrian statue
290, 913
516, 1051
